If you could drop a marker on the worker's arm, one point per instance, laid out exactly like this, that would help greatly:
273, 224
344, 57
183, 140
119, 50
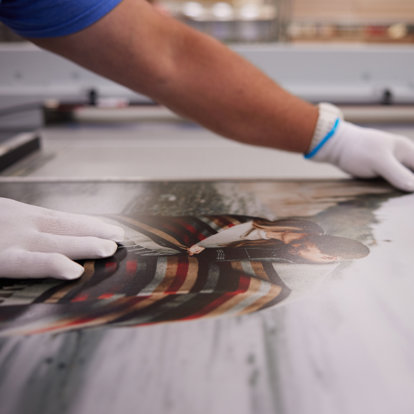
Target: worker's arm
200, 78
191, 73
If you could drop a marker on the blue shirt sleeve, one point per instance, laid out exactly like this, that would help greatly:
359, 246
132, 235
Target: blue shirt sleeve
52, 18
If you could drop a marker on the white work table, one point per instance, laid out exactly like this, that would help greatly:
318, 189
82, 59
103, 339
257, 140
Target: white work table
347, 348
160, 149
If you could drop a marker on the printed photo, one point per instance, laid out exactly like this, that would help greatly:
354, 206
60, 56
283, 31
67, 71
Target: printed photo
182, 267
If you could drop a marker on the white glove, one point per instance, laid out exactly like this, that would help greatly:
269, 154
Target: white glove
36, 242
364, 152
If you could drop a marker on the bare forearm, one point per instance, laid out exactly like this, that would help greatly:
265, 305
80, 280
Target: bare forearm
227, 94
192, 74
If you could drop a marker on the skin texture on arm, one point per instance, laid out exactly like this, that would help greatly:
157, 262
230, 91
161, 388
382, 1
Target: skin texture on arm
192, 74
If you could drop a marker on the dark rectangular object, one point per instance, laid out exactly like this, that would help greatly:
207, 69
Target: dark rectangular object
16, 147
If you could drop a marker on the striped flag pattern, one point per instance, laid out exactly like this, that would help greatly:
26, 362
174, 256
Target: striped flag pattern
139, 286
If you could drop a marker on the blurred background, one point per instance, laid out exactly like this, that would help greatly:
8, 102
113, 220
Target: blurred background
299, 20
381, 21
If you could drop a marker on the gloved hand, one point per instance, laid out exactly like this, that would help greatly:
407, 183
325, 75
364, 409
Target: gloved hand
36, 242
367, 153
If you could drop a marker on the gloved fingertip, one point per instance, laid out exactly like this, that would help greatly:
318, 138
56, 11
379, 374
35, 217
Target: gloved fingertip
118, 234
107, 248
403, 185
409, 186
74, 271
112, 232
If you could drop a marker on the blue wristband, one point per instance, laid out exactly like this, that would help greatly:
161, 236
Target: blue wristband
323, 141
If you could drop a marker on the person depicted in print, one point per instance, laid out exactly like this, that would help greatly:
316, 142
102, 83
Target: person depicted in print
293, 240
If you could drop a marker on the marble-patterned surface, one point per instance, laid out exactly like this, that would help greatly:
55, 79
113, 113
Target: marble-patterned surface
347, 347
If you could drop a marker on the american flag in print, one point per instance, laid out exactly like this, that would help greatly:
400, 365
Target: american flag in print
141, 285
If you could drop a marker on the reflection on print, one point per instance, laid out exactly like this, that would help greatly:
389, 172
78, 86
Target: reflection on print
180, 268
